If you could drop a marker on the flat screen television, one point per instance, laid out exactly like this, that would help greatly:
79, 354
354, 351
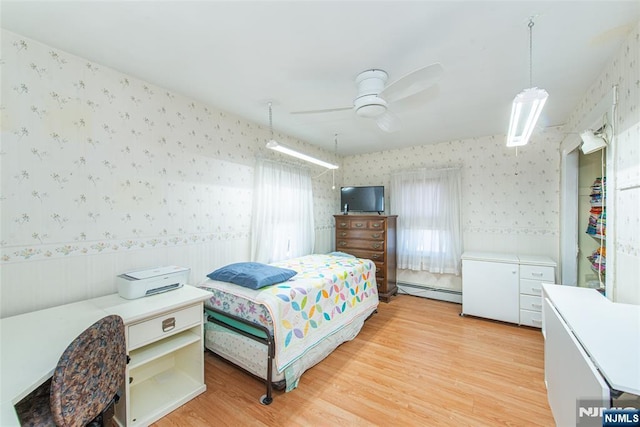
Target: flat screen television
362, 199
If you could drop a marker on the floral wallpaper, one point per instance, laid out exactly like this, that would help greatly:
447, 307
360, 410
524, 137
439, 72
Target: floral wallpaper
510, 200
96, 162
624, 153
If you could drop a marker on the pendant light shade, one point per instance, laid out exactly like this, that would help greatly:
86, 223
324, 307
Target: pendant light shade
525, 111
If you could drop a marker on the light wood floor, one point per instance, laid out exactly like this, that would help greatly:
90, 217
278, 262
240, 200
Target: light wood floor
415, 363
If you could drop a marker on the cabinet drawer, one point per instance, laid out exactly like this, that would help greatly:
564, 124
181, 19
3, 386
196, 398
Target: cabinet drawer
164, 325
536, 272
530, 302
531, 287
531, 318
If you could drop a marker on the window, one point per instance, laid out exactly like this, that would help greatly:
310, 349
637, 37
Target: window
427, 203
282, 220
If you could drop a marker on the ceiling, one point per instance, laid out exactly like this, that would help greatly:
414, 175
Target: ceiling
240, 55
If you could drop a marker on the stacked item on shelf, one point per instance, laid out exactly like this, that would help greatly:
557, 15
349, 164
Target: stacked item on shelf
597, 228
597, 217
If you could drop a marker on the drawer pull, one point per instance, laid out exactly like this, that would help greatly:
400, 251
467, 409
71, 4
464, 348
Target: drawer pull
536, 274
359, 224
375, 256
536, 290
536, 321
343, 224
377, 246
536, 306
168, 324
343, 234
376, 235
376, 225
343, 243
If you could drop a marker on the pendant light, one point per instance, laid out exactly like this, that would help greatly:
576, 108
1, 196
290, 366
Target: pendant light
274, 145
527, 106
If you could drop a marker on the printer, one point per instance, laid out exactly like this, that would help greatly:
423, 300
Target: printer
142, 283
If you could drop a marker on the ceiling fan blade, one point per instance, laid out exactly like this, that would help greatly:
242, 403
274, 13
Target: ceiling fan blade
328, 110
412, 83
389, 122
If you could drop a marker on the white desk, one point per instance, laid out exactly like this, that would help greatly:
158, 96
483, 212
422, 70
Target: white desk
32, 343
592, 346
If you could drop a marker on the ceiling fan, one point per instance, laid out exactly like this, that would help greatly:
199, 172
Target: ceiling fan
375, 98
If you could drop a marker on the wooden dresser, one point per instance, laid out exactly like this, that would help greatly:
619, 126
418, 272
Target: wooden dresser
372, 237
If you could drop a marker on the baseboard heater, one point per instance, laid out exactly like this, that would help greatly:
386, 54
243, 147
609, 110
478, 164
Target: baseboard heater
430, 292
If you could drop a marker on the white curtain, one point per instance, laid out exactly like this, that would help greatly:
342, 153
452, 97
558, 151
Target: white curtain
428, 205
282, 219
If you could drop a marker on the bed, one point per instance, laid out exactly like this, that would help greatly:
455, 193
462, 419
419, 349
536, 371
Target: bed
278, 331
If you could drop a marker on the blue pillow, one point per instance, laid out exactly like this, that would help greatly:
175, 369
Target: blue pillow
252, 275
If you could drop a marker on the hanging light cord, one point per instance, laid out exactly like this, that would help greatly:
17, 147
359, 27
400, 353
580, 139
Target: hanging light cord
270, 121
531, 52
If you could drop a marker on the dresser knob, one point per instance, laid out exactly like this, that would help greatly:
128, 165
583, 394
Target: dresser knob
376, 235
377, 245
343, 243
376, 225
343, 234
359, 225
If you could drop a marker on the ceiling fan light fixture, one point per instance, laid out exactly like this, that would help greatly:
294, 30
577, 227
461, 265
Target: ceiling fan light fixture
370, 106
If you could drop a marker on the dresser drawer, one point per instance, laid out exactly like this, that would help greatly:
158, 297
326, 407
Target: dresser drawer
361, 244
377, 257
530, 302
536, 272
164, 325
531, 318
362, 224
360, 234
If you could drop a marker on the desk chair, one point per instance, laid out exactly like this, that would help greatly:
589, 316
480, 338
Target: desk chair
85, 383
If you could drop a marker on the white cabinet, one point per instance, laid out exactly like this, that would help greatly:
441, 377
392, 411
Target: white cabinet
490, 286
164, 343
167, 367
505, 287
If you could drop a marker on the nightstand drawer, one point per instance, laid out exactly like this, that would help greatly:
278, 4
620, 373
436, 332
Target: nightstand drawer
162, 326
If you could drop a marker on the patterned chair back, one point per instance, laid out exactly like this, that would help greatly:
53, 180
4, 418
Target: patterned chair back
89, 373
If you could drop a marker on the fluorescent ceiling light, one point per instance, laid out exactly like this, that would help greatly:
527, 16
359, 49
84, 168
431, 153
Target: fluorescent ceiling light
592, 142
527, 106
277, 147
526, 109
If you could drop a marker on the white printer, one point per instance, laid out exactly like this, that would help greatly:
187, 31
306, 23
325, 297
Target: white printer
142, 283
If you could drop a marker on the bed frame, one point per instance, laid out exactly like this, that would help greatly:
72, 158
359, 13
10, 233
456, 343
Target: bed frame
251, 330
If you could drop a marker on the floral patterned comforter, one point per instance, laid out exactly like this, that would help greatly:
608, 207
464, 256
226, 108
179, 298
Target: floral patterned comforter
328, 292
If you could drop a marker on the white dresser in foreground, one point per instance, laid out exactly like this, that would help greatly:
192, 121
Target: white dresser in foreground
505, 287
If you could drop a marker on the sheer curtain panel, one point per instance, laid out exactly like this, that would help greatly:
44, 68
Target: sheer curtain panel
282, 218
428, 205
